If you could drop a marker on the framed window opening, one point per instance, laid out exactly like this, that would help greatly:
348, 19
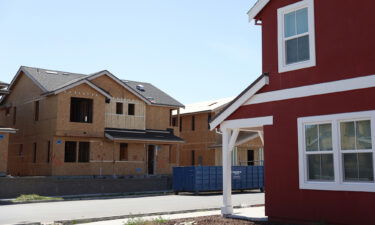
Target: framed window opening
296, 36
124, 152
131, 109
352, 154
81, 110
119, 108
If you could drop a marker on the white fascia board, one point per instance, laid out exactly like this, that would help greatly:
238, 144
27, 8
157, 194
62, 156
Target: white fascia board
8, 130
249, 122
239, 102
259, 5
117, 80
79, 83
315, 89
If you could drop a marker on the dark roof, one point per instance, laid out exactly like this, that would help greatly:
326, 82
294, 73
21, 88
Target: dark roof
141, 135
3, 83
153, 94
52, 80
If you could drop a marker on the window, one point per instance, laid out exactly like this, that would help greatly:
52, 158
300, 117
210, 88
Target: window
20, 150
319, 154
70, 151
48, 151
119, 108
356, 150
14, 115
192, 157
34, 152
336, 152
124, 155
193, 123
131, 109
7, 111
170, 117
208, 120
174, 121
36, 111
81, 110
180, 124
296, 36
84, 152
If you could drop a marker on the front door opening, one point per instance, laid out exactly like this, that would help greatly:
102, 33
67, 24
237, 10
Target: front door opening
250, 157
151, 159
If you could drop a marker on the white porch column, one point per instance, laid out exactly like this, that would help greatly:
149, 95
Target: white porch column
227, 208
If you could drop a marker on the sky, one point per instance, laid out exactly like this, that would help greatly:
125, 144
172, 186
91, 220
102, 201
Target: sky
194, 50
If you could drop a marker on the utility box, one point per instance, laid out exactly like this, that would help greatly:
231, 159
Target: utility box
210, 178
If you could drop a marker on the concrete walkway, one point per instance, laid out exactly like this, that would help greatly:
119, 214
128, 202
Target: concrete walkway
253, 213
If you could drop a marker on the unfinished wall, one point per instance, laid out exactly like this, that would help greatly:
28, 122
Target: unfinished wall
198, 142
30, 131
4, 139
158, 117
254, 144
66, 128
121, 94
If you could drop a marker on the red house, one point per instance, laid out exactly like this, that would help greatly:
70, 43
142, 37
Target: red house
315, 105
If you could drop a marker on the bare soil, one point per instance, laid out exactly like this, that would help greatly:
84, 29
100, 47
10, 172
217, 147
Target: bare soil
216, 220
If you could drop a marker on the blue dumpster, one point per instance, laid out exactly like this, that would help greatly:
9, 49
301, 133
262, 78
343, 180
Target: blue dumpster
210, 178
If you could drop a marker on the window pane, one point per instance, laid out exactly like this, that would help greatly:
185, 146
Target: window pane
327, 167
350, 167
313, 162
84, 152
311, 134
358, 167
365, 164
301, 21
363, 139
303, 48
325, 137
347, 136
70, 151
291, 48
290, 24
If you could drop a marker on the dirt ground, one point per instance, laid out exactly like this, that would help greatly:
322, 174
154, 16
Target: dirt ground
216, 220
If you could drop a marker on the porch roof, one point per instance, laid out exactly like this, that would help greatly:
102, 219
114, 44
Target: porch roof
142, 135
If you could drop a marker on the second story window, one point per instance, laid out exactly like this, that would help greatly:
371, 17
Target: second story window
296, 36
131, 109
14, 115
208, 120
81, 110
193, 123
36, 111
119, 108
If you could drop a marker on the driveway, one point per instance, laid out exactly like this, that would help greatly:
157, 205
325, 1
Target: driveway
52, 211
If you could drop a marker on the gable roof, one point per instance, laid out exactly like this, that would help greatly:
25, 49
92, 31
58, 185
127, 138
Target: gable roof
258, 6
206, 106
153, 94
54, 82
245, 95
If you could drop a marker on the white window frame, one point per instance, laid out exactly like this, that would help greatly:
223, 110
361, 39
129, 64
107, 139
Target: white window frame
338, 184
283, 67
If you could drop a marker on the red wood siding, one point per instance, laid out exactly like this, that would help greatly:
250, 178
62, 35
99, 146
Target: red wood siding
284, 199
344, 37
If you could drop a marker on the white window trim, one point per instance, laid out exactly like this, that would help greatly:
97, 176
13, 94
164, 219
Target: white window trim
283, 67
338, 184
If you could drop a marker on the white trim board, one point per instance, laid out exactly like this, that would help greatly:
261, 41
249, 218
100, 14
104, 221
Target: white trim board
315, 89
245, 123
259, 5
240, 101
